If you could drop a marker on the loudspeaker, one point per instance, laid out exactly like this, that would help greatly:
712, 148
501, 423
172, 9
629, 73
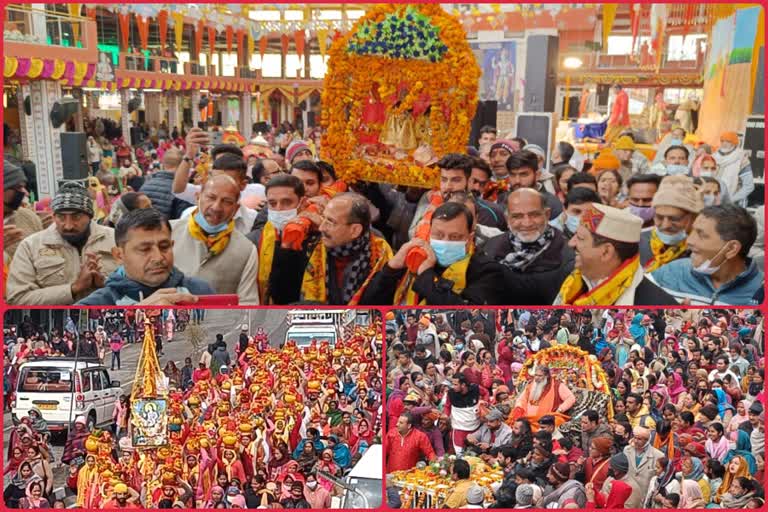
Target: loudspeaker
63, 110
536, 128
134, 104
603, 91
74, 155
485, 115
28, 105
136, 137
541, 73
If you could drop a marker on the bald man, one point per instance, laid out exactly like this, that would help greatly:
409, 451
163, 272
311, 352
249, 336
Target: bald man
207, 245
532, 247
336, 268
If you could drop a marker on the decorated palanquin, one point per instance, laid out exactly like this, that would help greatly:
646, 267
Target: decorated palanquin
400, 92
429, 486
583, 375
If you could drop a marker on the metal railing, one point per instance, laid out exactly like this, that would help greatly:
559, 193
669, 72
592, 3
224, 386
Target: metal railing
151, 63
59, 28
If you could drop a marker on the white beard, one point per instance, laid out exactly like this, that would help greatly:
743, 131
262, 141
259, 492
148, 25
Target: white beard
536, 391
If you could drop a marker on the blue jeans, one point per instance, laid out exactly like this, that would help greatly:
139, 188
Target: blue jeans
115, 357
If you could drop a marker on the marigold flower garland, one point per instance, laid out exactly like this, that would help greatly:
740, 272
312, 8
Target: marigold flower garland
418, 50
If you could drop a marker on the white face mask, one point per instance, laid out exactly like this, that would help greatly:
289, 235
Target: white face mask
280, 218
707, 268
311, 485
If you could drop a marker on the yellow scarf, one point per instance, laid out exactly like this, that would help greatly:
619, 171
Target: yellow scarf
660, 256
313, 284
269, 237
457, 272
215, 243
606, 294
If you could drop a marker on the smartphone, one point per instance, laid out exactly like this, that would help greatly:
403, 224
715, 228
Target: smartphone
225, 299
203, 125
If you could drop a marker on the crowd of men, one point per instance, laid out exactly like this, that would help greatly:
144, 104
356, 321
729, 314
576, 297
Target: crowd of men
262, 427
682, 426
503, 226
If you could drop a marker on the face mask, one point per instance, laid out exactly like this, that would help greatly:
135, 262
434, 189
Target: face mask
644, 212
448, 252
755, 388
676, 169
572, 222
459, 347
675, 142
211, 230
280, 218
706, 174
671, 239
706, 268
15, 203
709, 199
726, 149
311, 485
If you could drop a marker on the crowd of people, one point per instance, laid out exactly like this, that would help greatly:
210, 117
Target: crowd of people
503, 226
679, 421
262, 427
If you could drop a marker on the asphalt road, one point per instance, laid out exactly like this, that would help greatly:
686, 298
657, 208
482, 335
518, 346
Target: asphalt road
218, 321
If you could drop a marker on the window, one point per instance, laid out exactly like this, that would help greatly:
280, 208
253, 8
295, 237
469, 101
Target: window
293, 66
106, 383
622, 45
86, 377
229, 64
270, 66
294, 15
317, 66
675, 96
685, 48
96, 381
45, 380
264, 15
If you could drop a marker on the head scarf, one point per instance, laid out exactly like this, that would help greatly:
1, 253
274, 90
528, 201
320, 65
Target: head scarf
637, 331
676, 388
698, 470
728, 477
722, 402
691, 495
744, 450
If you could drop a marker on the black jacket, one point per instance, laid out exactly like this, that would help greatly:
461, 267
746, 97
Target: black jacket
648, 294
483, 285
159, 189
549, 269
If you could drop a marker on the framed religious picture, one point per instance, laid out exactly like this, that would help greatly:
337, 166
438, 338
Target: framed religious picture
149, 420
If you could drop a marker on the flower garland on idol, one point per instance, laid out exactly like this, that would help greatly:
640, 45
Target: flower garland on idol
400, 92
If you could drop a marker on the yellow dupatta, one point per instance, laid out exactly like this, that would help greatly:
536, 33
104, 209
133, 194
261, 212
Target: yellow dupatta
313, 283
607, 293
456, 272
215, 243
266, 247
660, 256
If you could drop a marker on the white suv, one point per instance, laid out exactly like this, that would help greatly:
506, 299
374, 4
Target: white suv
55, 384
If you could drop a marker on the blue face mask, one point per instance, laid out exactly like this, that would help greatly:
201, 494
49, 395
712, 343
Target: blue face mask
211, 230
676, 169
671, 240
459, 347
675, 142
572, 222
448, 252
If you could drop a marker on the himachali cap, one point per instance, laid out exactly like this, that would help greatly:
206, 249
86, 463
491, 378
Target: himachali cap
612, 223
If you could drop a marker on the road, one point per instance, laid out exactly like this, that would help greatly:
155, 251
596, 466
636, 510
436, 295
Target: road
217, 321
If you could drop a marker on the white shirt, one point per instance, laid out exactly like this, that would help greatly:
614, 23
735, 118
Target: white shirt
244, 218
252, 189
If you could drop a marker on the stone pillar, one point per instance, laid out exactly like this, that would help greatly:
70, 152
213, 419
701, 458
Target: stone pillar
195, 108
246, 115
174, 119
43, 141
125, 117
25, 122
